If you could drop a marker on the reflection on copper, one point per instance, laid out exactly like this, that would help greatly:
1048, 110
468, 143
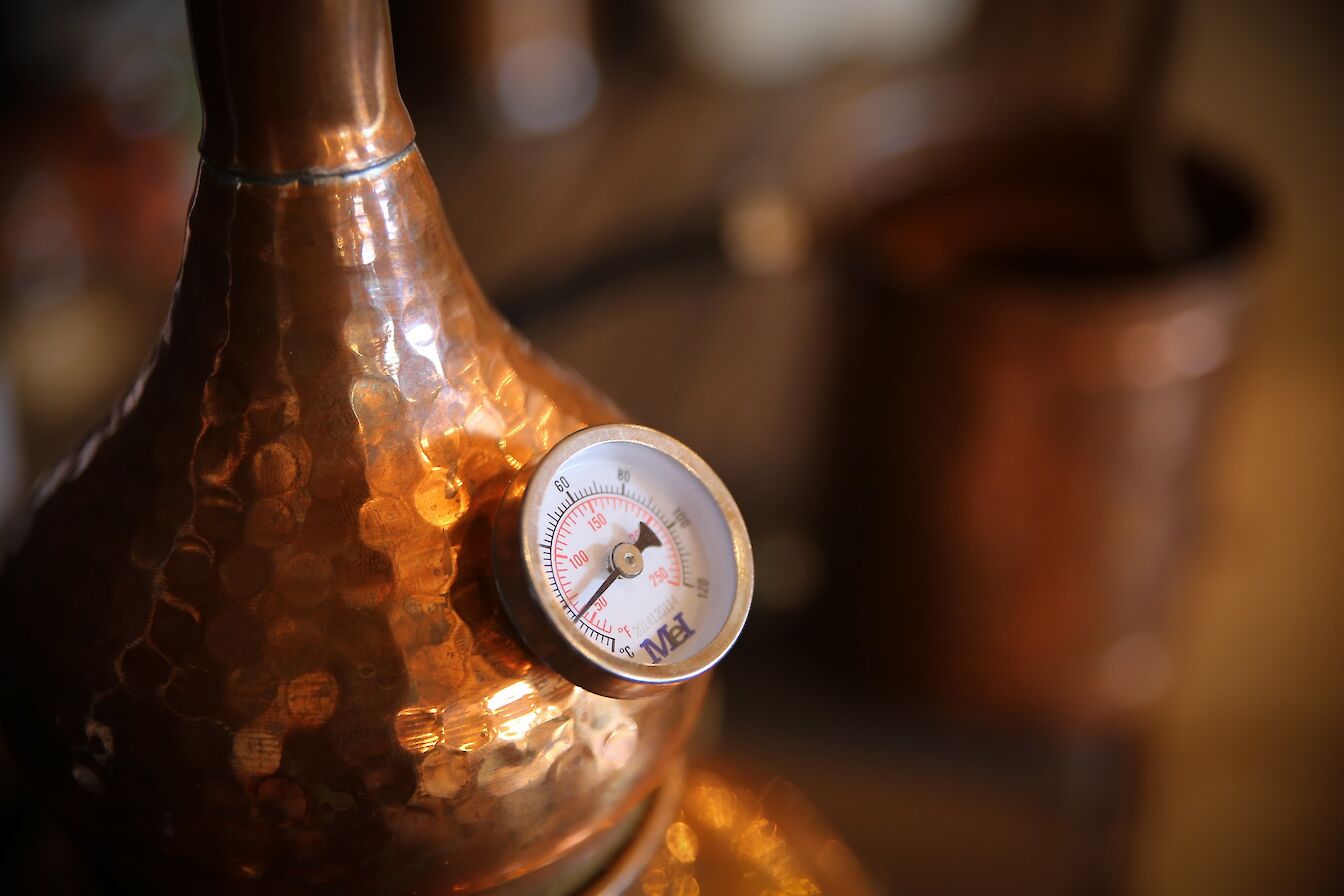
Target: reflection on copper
253, 633
729, 838
297, 87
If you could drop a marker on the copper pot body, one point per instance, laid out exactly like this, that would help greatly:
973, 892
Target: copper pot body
254, 643
1046, 401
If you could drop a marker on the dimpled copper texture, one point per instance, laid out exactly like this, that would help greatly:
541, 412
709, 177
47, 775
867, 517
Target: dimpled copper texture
254, 643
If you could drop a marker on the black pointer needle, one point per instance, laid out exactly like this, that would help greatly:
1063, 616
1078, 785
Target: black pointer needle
627, 561
615, 574
646, 540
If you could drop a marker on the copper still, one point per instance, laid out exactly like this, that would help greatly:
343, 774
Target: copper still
1054, 387
253, 638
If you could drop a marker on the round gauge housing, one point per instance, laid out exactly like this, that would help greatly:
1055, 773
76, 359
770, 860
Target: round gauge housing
622, 560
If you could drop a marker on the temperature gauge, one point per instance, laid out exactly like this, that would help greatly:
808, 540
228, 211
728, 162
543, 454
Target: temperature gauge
623, 561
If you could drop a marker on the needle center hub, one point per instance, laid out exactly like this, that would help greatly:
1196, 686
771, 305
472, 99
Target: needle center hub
627, 560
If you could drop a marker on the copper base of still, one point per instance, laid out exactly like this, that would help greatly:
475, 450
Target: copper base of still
253, 633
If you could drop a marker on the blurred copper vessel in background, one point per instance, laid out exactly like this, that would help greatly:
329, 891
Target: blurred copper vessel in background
252, 634
1036, 445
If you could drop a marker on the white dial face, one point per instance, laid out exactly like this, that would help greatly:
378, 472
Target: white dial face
636, 551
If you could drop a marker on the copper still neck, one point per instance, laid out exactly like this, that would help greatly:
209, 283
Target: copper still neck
302, 87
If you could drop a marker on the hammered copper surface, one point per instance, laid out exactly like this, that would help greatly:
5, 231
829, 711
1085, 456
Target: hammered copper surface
253, 638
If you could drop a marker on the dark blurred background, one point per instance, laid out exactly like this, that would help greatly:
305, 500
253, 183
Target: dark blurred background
1012, 326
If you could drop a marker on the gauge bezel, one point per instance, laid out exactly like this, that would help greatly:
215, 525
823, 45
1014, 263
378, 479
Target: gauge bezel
540, 619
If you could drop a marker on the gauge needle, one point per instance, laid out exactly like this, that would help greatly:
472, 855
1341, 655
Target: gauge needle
646, 539
627, 561
615, 574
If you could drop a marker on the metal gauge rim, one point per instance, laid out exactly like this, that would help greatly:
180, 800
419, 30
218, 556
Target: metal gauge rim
541, 620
